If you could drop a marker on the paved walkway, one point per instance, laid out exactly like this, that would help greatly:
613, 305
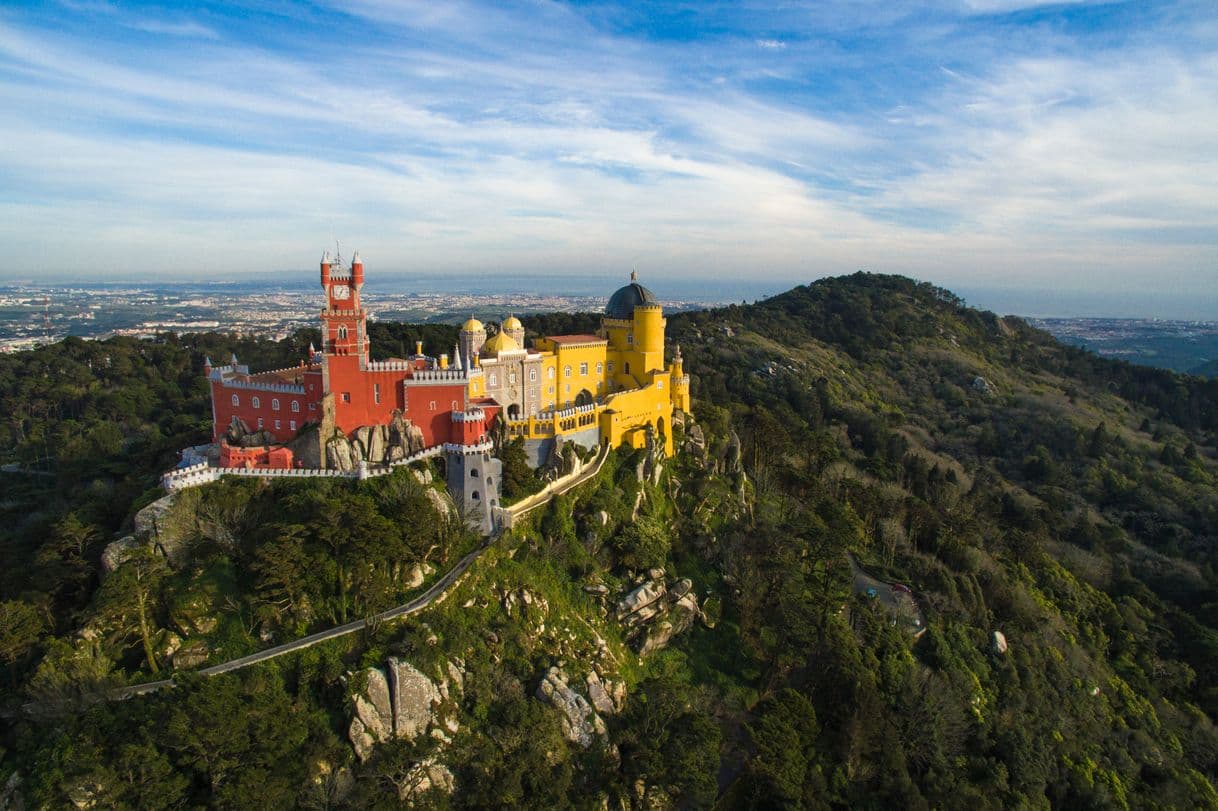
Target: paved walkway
417, 604
425, 599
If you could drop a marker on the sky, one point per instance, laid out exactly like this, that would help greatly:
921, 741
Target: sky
1046, 150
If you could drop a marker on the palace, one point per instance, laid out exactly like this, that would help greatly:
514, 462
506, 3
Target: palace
339, 409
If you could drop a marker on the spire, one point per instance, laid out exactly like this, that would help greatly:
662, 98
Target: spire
325, 257
312, 349
233, 359
355, 260
456, 356
634, 275
206, 361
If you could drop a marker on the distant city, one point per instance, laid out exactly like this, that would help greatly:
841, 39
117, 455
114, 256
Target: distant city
31, 315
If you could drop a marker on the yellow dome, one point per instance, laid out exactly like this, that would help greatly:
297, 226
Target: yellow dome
512, 323
472, 325
499, 342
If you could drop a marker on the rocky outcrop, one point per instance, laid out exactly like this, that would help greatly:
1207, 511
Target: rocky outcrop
414, 698
655, 612
633, 609
192, 653
580, 723
374, 444
373, 721
998, 643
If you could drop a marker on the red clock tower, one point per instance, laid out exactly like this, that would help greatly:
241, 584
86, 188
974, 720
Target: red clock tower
343, 321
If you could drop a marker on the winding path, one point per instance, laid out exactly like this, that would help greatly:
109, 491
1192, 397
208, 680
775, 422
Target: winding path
425, 599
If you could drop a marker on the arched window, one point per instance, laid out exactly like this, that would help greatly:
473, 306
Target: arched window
474, 495
566, 371
511, 377
626, 367
257, 403
473, 472
493, 380
275, 404
236, 400
532, 375
342, 333
295, 406
550, 372
600, 368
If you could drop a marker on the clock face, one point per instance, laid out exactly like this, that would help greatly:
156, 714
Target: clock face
340, 292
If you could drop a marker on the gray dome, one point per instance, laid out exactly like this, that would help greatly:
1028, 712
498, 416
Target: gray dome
622, 303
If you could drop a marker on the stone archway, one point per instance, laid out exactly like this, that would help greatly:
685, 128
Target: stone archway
583, 398
513, 412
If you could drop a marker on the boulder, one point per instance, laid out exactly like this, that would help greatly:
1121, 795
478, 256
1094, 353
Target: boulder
982, 386
580, 723
117, 553
598, 695
998, 643
165, 644
414, 578
422, 474
306, 446
414, 696
340, 455
394, 454
640, 598
425, 776
373, 721
377, 443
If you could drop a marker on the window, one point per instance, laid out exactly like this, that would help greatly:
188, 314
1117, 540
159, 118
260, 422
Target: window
512, 377
453, 405
346, 396
376, 392
342, 333
433, 405
260, 423
610, 367
473, 472
236, 400
532, 375
566, 371
626, 367
493, 380
630, 337
583, 370
295, 406
550, 372
278, 425
659, 384
567, 388
275, 404
474, 495
551, 391
291, 425
600, 368
312, 406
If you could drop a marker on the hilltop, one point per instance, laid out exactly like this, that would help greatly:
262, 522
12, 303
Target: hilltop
716, 627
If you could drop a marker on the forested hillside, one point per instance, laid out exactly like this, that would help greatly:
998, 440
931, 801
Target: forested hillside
1053, 513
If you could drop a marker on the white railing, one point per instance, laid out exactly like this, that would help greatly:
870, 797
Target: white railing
203, 473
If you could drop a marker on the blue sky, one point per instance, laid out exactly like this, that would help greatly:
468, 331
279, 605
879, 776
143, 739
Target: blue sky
976, 143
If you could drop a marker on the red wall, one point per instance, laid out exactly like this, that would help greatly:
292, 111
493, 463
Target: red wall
222, 402
436, 424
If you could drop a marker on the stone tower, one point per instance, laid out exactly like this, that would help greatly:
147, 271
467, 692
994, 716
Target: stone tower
473, 473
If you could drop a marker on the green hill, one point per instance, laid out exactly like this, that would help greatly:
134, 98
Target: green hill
1053, 513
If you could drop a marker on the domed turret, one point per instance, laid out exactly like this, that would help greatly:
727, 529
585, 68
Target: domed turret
470, 340
500, 342
514, 330
622, 303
